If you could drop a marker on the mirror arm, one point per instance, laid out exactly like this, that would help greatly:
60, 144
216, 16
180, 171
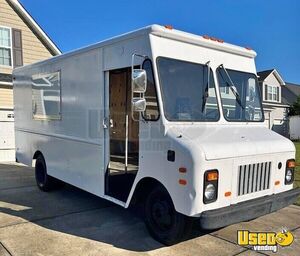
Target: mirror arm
134, 55
133, 117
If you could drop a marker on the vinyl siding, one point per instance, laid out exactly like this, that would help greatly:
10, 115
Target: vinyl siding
6, 97
33, 49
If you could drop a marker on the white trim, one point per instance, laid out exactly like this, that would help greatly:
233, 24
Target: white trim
6, 83
37, 28
277, 76
278, 105
11, 48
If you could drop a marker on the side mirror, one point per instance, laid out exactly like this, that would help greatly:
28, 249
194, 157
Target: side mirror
139, 81
138, 104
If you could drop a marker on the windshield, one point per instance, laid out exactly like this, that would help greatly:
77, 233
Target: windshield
188, 94
245, 104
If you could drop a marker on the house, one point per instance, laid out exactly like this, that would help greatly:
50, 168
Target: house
290, 93
22, 41
277, 97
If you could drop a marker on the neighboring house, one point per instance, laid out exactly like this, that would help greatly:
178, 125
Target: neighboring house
22, 41
290, 93
277, 97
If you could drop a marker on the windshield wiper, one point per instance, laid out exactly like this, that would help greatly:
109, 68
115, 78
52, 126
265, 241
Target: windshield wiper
205, 94
232, 86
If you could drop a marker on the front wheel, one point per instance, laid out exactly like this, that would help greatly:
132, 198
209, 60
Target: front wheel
43, 180
163, 222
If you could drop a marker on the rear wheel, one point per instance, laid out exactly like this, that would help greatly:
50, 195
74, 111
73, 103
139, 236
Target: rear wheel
163, 222
43, 180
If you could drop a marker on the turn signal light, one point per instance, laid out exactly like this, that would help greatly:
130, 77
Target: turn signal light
182, 170
277, 182
291, 164
182, 182
212, 176
227, 194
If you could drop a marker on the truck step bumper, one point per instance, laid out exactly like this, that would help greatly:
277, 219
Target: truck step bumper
247, 210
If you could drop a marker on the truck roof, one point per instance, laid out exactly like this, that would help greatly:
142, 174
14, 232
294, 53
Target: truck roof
165, 32
204, 41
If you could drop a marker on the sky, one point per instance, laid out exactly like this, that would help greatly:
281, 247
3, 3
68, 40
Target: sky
270, 27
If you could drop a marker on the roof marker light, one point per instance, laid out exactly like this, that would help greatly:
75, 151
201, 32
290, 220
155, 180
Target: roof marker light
213, 39
169, 27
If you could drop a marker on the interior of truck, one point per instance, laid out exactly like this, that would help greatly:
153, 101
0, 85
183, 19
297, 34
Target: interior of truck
124, 140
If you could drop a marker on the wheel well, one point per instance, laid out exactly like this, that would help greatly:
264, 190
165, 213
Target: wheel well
35, 156
143, 188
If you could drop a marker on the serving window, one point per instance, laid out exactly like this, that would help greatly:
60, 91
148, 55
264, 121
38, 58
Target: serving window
46, 96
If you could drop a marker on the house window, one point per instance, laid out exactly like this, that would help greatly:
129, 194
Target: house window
272, 93
5, 47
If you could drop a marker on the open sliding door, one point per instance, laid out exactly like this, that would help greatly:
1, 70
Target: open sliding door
123, 136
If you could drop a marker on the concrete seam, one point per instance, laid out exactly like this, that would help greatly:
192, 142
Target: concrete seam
247, 249
5, 248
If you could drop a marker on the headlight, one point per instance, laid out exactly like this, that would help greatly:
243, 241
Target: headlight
289, 176
210, 192
289, 172
210, 186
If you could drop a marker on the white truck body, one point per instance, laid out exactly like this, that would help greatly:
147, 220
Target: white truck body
76, 144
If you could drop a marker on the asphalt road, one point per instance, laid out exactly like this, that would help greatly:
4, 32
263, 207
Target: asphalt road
70, 221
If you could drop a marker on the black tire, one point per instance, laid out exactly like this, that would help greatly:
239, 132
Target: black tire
163, 222
43, 180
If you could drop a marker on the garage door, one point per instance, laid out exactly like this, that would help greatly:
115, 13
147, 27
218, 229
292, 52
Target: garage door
267, 119
7, 136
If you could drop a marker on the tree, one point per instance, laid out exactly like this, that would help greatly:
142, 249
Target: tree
295, 108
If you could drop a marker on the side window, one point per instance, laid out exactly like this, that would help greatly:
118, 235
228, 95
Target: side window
46, 96
5, 47
152, 110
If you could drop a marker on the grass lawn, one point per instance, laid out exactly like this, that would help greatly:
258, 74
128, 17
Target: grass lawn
297, 172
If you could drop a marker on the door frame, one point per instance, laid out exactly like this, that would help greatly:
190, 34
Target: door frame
105, 125
106, 147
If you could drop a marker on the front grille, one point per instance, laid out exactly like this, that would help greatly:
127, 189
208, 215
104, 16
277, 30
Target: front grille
254, 177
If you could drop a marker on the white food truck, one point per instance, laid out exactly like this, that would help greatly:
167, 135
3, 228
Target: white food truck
160, 117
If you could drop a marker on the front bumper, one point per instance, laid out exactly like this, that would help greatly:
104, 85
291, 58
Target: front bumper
247, 210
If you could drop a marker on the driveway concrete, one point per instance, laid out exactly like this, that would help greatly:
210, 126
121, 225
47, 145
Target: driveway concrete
70, 221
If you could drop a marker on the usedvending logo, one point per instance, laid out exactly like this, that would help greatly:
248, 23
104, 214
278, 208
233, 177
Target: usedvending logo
265, 241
